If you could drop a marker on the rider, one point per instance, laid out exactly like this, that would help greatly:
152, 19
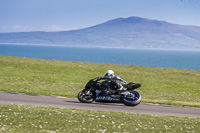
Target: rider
117, 82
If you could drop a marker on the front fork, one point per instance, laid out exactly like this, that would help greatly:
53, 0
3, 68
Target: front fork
90, 92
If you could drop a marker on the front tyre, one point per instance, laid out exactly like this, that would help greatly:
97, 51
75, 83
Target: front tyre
132, 99
86, 96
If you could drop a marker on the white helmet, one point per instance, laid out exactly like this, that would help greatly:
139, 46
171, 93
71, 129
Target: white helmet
109, 73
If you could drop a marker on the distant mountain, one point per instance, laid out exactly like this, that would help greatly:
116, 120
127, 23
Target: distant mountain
132, 32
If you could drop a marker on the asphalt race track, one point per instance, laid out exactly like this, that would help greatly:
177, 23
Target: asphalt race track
63, 102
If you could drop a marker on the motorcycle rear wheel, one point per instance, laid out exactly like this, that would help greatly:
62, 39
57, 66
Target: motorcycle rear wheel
132, 100
86, 96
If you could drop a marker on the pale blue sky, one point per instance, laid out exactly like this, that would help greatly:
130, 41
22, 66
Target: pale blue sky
56, 15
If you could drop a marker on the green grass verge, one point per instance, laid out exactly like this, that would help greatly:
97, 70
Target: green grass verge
18, 118
67, 78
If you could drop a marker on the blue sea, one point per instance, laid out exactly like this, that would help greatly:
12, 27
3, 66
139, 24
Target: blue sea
150, 58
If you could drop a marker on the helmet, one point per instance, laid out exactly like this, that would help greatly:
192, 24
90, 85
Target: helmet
109, 73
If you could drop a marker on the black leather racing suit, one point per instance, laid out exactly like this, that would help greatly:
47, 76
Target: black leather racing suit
115, 82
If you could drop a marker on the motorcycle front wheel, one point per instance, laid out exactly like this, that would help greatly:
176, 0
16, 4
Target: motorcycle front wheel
86, 96
132, 99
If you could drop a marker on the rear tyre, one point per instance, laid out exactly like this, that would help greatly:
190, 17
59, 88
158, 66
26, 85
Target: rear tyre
132, 99
86, 96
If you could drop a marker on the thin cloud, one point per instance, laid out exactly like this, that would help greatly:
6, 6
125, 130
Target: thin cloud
23, 28
16, 28
55, 28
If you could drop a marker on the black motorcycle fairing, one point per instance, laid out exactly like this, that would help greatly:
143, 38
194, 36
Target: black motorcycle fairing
107, 99
93, 84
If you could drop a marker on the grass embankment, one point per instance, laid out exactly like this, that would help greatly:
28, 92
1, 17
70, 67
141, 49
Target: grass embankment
66, 78
17, 118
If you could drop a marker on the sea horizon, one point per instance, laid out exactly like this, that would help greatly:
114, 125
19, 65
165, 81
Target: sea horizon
85, 46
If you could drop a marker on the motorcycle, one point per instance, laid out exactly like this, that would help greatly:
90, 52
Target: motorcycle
104, 92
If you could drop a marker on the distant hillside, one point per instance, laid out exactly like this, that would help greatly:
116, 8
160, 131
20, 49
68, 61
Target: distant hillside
132, 32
